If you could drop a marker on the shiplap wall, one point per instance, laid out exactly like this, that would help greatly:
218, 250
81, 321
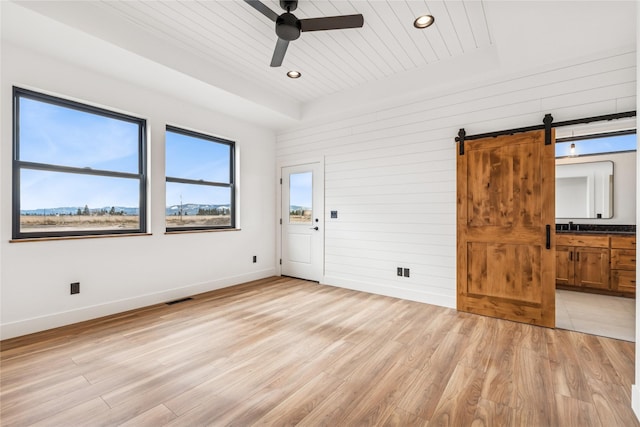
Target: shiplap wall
390, 171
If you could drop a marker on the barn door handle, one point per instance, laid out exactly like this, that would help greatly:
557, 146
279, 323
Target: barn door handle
548, 237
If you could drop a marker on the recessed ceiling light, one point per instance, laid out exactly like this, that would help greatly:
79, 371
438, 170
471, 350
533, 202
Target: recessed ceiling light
424, 21
294, 74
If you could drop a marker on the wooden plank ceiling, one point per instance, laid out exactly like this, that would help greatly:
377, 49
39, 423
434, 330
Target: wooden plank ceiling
241, 40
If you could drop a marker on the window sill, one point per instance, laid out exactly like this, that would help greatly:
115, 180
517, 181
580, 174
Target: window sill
95, 236
217, 230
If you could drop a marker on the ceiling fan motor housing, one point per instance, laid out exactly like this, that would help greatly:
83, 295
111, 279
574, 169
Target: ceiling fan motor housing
288, 27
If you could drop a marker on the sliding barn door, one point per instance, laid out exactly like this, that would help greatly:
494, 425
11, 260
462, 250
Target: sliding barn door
506, 254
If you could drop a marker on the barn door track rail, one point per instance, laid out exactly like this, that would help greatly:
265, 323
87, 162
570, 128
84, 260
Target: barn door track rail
547, 125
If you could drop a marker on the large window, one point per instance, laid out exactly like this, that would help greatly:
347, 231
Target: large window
200, 189
77, 169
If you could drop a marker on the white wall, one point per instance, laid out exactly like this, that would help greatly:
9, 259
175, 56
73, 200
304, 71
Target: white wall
122, 273
624, 187
390, 171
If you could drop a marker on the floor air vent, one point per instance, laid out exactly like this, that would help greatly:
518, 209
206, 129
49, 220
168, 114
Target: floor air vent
178, 301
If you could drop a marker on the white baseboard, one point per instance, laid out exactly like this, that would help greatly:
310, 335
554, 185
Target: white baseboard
41, 323
391, 291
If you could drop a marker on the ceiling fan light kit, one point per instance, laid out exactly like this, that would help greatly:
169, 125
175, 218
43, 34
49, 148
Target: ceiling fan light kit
289, 27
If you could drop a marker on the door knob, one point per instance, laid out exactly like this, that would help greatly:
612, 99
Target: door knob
314, 228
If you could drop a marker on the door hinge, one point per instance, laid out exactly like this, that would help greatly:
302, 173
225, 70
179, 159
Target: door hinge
280, 221
280, 181
280, 261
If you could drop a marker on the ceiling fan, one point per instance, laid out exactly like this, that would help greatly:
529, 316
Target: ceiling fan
288, 27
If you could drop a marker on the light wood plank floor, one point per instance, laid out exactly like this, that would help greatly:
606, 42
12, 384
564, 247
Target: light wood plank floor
283, 351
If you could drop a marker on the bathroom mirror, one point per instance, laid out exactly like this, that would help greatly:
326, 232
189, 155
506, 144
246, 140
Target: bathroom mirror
584, 190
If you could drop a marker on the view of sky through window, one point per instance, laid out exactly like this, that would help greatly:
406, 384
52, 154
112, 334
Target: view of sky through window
63, 136
192, 158
60, 136
608, 144
195, 158
300, 189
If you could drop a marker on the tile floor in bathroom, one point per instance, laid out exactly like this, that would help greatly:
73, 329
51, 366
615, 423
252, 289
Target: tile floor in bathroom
602, 315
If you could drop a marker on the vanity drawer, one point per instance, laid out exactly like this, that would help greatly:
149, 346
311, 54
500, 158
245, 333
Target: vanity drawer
592, 241
623, 259
623, 280
623, 242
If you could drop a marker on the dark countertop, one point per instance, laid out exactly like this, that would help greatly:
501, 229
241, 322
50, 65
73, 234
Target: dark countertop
595, 229
630, 233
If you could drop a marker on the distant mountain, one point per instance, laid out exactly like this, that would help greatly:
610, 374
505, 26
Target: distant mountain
73, 210
187, 209
299, 208
194, 208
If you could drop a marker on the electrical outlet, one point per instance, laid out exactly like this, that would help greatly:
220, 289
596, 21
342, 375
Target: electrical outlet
406, 272
75, 288
399, 271
255, 259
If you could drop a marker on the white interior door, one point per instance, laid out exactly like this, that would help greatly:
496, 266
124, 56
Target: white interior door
303, 221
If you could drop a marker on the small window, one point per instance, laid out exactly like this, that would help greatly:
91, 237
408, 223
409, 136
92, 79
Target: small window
300, 194
200, 189
596, 144
77, 169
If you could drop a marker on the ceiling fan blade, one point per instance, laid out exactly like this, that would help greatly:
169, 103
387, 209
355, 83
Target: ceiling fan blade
263, 9
278, 53
332, 23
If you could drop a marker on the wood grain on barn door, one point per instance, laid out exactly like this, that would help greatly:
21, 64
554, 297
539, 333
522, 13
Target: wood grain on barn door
506, 200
